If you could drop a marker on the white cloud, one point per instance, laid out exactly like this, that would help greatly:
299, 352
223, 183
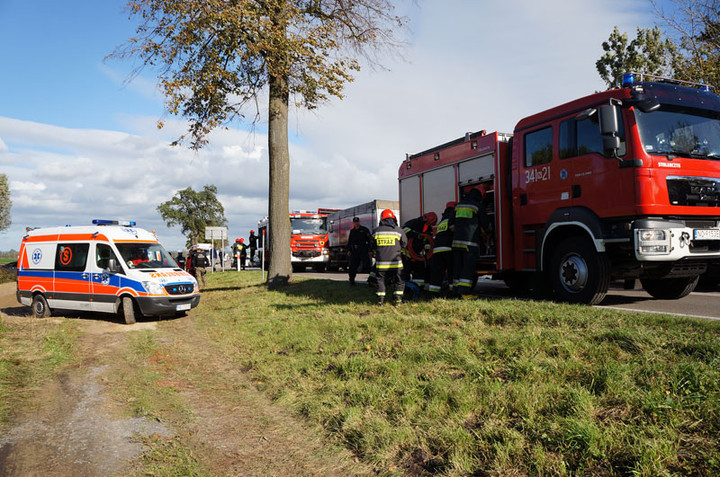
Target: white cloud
18, 186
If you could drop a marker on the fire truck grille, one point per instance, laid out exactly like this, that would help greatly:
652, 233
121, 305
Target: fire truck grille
694, 191
179, 289
306, 248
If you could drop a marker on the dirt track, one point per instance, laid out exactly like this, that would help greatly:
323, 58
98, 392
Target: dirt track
77, 425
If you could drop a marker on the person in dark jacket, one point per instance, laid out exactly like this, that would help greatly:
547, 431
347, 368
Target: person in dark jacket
252, 241
389, 241
466, 242
359, 240
441, 261
419, 233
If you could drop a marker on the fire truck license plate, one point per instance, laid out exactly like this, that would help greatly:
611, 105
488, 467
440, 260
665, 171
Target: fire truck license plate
707, 234
183, 307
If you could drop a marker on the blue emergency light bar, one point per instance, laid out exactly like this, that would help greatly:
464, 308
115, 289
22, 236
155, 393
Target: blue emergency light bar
124, 223
629, 79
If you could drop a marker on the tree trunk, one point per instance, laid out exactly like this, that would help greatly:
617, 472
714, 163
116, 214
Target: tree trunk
280, 271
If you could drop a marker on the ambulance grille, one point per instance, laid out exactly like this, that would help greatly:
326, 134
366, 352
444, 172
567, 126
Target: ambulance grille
180, 288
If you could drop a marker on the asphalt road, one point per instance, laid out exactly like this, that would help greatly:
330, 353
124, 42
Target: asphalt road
703, 303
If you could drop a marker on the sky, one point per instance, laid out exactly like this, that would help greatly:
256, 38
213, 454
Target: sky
80, 142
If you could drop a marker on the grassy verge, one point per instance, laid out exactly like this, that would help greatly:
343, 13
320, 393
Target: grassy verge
31, 352
479, 387
7, 276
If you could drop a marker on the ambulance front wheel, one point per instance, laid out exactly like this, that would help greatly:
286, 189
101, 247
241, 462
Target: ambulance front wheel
578, 273
128, 309
40, 306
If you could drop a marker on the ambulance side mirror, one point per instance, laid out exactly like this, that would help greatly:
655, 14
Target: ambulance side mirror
114, 266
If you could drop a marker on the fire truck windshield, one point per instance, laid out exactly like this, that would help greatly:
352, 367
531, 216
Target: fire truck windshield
684, 132
309, 226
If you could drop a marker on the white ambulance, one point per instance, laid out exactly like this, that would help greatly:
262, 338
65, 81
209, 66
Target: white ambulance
109, 267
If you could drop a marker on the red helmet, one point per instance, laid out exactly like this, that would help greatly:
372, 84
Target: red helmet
450, 205
430, 218
252, 231
387, 214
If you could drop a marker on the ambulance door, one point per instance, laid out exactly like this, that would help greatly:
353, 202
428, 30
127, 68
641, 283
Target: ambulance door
104, 283
72, 280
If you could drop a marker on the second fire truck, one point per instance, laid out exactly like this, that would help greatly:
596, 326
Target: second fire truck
622, 184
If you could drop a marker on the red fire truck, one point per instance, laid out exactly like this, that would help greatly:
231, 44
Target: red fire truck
623, 184
308, 239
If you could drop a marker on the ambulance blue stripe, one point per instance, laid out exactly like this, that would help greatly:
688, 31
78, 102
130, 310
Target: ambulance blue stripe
115, 280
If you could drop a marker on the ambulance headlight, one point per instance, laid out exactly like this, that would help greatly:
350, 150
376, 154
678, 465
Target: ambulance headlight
154, 288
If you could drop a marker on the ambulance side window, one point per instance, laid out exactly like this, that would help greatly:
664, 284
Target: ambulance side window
71, 257
103, 254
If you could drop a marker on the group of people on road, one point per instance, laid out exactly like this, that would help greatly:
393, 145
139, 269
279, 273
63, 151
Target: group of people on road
197, 260
424, 254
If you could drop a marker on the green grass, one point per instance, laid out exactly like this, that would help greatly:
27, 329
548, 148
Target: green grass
481, 387
31, 352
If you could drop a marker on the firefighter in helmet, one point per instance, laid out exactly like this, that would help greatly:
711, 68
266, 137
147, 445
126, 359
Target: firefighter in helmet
466, 242
419, 233
388, 243
441, 263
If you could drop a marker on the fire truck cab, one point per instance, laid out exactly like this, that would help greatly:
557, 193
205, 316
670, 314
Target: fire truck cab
623, 184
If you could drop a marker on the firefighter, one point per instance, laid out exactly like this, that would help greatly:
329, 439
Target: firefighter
441, 262
253, 239
240, 252
419, 234
359, 240
465, 244
389, 241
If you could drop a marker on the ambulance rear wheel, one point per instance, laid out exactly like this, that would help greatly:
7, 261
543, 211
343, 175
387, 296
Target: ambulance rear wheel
128, 308
578, 273
40, 307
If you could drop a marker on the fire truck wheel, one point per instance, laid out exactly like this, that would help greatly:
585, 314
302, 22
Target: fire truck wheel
578, 273
128, 308
40, 306
669, 288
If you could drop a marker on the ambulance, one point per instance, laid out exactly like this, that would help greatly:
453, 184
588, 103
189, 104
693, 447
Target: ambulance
109, 267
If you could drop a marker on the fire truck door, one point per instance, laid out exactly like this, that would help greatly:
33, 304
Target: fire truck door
541, 183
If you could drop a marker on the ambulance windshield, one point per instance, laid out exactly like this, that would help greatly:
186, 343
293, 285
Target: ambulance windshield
145, 255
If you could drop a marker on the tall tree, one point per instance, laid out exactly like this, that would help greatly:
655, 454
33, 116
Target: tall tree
647, 53
695, 24
193, 211
218, 57
5, 203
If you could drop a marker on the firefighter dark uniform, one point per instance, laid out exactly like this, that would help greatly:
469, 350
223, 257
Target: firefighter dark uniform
389, 241
419, 234
359, 240
253, 239
465, 242
441, 262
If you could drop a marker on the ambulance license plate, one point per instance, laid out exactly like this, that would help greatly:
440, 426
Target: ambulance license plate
706, 234
184, 307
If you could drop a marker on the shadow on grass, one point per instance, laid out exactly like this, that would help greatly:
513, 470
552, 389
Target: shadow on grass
332, 292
